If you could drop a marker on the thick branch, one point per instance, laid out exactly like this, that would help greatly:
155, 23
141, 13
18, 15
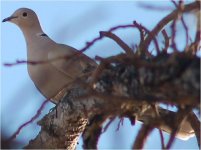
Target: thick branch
126, 87
172, 79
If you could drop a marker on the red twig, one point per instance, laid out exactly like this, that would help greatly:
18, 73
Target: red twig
162, 139
28, 122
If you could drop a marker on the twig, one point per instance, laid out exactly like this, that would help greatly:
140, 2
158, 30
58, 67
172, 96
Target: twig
187, 8
180, 7
156, 111
121, 122
146, 51
162, 139
108, 124
142, 33
28, 122
152, 7
173, 30
142, 136
23, 62
166, 38
186, 29
195, 123
181, 115
88, 45
175, 4
121, 43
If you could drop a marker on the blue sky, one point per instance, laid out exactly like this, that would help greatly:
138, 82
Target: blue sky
72, 23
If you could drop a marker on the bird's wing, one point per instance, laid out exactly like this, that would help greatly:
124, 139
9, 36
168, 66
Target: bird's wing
74, 65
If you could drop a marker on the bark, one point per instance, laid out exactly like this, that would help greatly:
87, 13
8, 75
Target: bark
126, 87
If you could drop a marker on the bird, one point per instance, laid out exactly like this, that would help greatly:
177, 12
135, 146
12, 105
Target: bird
52, 78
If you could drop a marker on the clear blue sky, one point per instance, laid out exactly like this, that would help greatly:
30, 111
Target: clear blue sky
72, 23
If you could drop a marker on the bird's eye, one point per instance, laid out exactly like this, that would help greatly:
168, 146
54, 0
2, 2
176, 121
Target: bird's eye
24, 14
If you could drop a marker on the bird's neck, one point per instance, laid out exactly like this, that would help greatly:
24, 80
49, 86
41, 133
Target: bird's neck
30, 34
32, 42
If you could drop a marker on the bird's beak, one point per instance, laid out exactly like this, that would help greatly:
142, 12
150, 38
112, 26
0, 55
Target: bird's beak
9, 18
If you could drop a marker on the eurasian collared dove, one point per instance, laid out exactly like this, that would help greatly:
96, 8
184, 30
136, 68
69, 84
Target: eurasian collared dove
52, 78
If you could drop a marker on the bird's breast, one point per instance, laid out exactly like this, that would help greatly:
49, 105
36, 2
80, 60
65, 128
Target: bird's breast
46, 78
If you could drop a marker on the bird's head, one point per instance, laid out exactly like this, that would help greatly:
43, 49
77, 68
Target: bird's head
24, 18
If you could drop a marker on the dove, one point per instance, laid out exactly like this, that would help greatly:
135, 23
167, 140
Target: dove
53, 78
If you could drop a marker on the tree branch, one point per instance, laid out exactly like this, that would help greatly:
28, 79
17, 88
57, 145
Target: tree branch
187, 8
